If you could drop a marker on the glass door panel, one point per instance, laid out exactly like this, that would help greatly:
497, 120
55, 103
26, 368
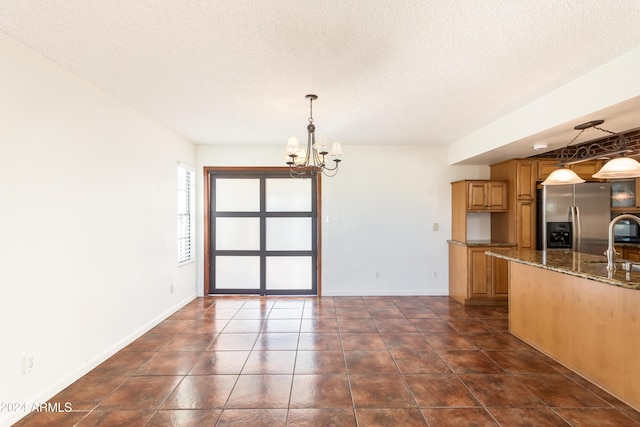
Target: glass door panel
623, 194
237, 195
288, 195
237, 272
238, 234
289, 234
292, 273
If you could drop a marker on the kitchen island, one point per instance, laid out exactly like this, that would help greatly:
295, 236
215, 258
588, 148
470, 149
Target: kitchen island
567, 305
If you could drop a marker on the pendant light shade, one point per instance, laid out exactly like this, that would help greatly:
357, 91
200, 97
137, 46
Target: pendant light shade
621, 167
562, 176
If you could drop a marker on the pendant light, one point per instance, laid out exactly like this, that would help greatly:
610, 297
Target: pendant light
562, 176
619, 167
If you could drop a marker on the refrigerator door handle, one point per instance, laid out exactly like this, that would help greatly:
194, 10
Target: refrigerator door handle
575, 221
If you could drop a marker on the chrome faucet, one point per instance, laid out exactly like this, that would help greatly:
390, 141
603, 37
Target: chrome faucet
611, 251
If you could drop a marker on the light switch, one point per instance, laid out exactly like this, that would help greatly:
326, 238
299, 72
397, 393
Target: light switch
327, 218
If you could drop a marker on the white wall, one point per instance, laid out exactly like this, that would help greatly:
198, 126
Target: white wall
87, 225
383, 204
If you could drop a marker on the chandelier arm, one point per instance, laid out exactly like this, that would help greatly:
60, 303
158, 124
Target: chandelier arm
334, 170
335, 167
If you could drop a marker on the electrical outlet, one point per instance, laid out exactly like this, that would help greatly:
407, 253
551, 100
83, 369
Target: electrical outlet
435, 274
27, 363
377, 275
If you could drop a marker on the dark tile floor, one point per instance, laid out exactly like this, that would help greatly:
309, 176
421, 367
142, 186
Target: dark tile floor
347, 361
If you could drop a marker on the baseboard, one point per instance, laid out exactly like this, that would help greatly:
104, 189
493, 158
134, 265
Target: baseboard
385, 293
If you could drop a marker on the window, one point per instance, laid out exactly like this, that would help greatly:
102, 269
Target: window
186, 213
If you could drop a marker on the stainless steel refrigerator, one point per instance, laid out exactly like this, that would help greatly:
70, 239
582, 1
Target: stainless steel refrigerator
576, 217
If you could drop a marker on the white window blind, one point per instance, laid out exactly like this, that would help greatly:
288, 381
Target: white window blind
186, 213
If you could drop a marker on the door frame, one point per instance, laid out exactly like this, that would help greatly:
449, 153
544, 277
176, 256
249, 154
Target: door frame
207, 170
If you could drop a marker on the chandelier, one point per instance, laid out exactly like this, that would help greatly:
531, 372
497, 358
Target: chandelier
312, 160
618, 167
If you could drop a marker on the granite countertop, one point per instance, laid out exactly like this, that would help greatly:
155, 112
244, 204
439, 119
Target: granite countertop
478, 243
627, 245
593, 267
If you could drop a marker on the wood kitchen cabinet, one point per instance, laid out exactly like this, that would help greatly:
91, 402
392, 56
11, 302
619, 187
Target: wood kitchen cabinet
629, 253
584, 170
472, 196
486, 196
525, 179
518, 223
474, 277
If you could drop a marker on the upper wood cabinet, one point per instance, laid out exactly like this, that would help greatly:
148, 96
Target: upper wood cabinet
545, 167
517, 224
526, 180
472, 196
487, 196
584, 170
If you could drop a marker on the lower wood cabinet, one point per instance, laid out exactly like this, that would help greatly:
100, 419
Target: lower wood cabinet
629, 253
475, 278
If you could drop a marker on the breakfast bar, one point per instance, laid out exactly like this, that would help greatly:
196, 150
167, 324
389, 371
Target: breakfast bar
569, 306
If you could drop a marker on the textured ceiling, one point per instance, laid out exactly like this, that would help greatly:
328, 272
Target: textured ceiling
397, 71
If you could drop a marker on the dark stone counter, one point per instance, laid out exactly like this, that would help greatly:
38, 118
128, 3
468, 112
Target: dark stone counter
481, 243
593, 267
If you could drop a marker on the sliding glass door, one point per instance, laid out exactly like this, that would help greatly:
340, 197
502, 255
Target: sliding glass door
263, 232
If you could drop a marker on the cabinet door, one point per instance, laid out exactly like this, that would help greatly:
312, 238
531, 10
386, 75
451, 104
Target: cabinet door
623, 195
479, 273
632, 254
525, 180
526, 224
500, 277
544, 168
585, 170
477, 196
497, 195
